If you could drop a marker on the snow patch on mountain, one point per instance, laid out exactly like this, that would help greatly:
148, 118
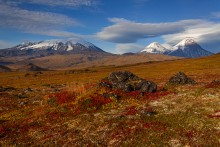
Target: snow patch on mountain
56, 44
155, 48
190, 49
185, 48
184, 43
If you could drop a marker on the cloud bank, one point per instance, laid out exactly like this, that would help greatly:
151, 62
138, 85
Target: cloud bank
55, 3
43, 23
128, 47
125, 31
204, 32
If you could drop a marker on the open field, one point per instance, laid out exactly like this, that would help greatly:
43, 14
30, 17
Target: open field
62, 108
64, 62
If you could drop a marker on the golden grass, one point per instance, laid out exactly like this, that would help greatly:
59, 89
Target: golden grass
182, 116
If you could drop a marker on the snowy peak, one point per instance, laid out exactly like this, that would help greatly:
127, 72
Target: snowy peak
155, 48
190, 49
185, 42
52, 47
67, 44
155, 45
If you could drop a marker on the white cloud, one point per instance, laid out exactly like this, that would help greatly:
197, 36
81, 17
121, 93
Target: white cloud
126, 31
128, 47
206, 35
34, 21
54, 3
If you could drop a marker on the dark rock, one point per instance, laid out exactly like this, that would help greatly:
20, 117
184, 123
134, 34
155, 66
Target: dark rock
28, 90
105, 83
22, 95
148, 113
2, 89
181, 78
128, 82
215, 81
4, 69
106, 95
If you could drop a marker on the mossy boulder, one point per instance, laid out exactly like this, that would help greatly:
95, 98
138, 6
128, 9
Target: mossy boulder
180, 79
127, 81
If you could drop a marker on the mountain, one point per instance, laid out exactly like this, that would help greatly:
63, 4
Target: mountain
51, 47
4, 69
155, 48
189, 48
186, 48
32, 67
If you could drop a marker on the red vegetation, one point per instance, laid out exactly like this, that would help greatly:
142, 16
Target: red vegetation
2, 131
94, 102
157, 95
156, 126
131, 111
191, 134
98, 100
215, 115
134, 94
62, 97
213, 84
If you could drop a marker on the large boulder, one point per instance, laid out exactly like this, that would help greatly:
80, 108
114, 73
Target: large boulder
128, 82
181, 78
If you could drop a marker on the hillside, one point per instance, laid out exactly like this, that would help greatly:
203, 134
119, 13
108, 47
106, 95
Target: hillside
51, 47
84, 60
32, 67
4, 69
187, 48
69, 108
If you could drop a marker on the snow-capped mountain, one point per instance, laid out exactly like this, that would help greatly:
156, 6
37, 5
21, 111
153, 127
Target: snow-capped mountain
155, 48
186, 48
189, 48
50, 47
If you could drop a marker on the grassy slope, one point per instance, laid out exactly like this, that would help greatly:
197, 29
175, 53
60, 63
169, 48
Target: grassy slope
185, 115
84, 60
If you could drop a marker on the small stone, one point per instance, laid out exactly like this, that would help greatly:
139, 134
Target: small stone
181, 78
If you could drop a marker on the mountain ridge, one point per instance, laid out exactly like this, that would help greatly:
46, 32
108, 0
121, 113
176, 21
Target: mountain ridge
51, 47
188, 48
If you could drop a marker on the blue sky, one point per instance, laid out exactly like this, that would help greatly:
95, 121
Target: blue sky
116, 26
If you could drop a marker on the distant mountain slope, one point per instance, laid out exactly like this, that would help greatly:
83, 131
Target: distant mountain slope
155, 48
186, 48
85, 60
189, 48
32, 67
4, 69
51, 47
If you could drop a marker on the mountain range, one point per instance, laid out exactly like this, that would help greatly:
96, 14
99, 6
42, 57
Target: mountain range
51, 47
78, 53
188, 48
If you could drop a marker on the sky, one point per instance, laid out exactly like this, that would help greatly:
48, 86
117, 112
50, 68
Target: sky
116, 26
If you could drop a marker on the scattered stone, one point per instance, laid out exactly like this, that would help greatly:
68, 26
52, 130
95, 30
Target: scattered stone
148, 113
128, 82
181, 78
2, 89
216, 81
22, 95
28, 90
112, 95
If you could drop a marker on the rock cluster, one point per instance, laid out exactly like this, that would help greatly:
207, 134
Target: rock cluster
128, 82
181, 78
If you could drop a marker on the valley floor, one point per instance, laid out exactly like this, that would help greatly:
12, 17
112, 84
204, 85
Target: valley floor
68, 108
